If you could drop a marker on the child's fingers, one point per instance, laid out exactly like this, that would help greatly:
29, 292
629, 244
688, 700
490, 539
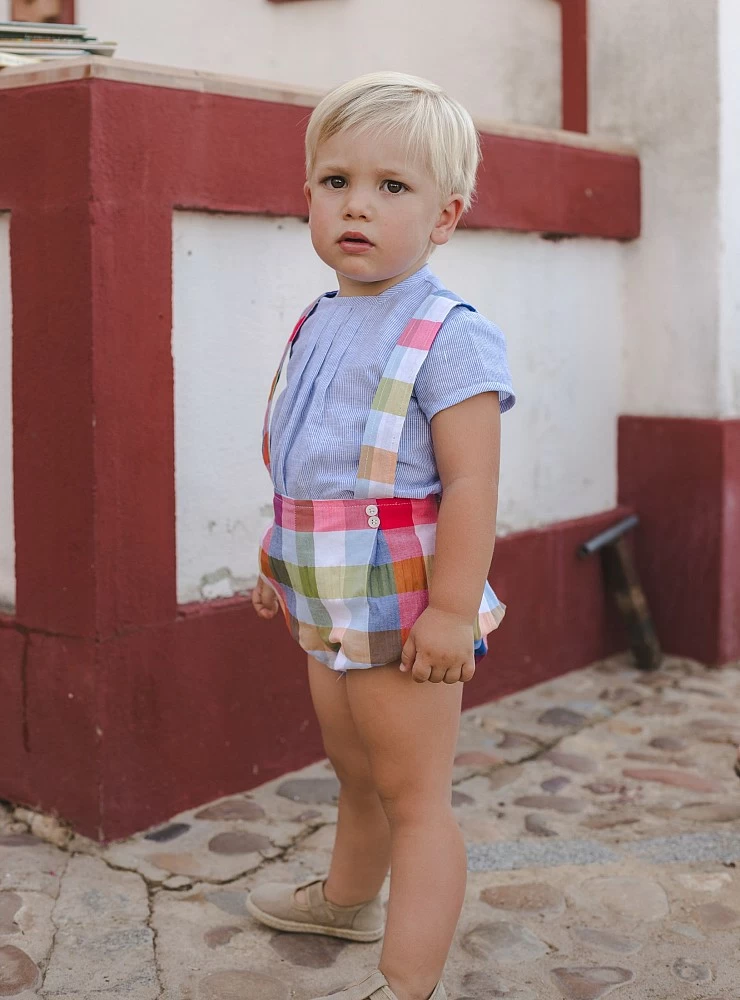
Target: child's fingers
408, 654
257, 596
453, 675
264, 600
464, 672
421, 670
437, 675
270, 603
468, 671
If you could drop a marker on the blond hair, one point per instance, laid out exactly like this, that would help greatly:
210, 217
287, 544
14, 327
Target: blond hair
432, 124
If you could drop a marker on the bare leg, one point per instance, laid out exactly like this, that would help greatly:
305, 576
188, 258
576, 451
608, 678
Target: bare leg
361, 853
410, 732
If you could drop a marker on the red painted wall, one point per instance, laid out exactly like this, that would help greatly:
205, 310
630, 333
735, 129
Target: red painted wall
123, 733
118, 708
729, 591
683, 477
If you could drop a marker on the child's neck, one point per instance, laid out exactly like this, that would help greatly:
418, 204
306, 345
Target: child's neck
351, 287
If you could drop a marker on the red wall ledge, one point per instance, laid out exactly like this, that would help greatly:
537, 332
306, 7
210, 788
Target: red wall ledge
246, 155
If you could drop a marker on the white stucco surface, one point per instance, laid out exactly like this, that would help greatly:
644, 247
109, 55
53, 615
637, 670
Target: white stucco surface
240, 284
500, 58
561, 308
7, 521
729, 205
669, 107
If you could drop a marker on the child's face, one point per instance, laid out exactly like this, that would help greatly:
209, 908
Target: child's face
375, 212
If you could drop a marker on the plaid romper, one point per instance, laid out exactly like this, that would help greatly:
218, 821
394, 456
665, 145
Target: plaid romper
351, 576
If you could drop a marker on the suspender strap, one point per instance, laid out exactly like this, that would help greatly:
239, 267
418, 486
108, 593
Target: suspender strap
376, 475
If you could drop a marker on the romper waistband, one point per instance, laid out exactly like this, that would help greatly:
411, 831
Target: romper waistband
355, 514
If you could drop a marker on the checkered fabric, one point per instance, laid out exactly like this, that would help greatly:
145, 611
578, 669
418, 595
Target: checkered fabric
352, 576
376, 476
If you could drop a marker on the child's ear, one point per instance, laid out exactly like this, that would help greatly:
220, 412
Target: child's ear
448, 219
307, 193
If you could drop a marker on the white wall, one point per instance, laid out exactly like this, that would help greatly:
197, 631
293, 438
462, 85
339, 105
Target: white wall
7, 522
240, 284
561, 308
499, 57
654, 79
729, 204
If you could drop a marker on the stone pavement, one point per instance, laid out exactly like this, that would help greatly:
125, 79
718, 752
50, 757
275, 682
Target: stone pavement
602, 818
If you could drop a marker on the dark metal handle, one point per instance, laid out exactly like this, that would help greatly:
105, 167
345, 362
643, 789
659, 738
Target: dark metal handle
609, 536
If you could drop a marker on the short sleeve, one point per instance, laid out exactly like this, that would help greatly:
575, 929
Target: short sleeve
468, 357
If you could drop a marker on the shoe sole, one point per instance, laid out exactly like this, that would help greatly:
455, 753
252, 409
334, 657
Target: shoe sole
299, 927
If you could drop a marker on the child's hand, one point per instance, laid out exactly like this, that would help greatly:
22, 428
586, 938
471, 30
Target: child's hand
264, 600
439, 648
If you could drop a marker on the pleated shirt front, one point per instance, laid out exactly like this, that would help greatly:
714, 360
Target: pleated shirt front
334, 370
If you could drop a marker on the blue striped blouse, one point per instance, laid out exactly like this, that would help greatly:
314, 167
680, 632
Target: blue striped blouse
334, 370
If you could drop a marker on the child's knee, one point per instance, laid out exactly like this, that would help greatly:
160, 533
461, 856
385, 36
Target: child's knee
351, 767
407, 799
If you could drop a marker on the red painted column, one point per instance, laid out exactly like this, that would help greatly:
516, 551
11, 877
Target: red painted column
54, 475
66, 14
134, 514
682, 476
15, 782
729, 640
49, 748
575, 64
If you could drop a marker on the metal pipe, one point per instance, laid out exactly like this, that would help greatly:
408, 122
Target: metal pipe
609, 536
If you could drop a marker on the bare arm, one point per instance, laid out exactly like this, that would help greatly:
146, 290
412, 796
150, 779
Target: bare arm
466, 441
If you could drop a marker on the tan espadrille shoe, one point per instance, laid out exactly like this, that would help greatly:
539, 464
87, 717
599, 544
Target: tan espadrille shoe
277, 905
376, 987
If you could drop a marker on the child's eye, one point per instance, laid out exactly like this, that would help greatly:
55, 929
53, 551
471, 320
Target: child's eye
335, 182
394, 187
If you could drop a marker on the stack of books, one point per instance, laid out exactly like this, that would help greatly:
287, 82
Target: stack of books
26, 42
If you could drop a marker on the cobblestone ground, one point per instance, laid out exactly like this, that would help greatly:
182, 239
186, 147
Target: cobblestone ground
602, 818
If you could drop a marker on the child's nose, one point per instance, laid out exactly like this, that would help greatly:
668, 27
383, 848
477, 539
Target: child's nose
357, 207
354, 212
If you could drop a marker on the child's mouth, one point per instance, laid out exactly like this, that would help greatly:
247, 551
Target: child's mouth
355, 243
